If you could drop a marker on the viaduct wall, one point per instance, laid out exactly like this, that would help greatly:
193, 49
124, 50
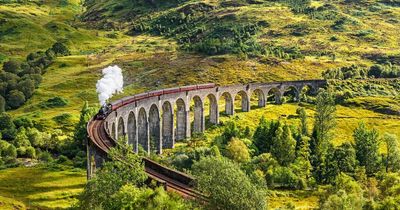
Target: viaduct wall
155, 123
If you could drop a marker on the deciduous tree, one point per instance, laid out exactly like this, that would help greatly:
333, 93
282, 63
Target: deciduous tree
392, 161
227, 186
284, 146
322, 131
238, 151
367, 146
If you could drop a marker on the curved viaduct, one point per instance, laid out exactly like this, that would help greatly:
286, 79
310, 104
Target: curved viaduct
157, 122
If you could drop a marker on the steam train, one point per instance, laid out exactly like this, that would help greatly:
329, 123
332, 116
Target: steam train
108, 108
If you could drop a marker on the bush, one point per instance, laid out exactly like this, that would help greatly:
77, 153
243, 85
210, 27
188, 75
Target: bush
30, 152
23, 122
283, 177
15, 99
60, 49
46, 156
54, 102
238, 151
62, 159
7, 150
21, 151
62, 118
27, 87
12, 66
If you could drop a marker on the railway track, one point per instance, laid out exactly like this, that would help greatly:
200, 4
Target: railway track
172, 180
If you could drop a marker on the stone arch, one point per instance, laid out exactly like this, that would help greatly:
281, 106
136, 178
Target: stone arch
274, 96
291, 94
131, 130
228, 100
198, 115
258, 96
143, 138
213, 109
307, 90
121, 128
181, 116
244, 101
154, 129
167, 125
113, 131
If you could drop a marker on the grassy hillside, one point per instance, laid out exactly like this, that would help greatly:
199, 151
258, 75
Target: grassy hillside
271, 31
169, 43
39, 188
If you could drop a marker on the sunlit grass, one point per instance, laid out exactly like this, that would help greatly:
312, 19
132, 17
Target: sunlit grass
40, 188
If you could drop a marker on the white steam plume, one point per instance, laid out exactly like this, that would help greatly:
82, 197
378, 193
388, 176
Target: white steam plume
112, 82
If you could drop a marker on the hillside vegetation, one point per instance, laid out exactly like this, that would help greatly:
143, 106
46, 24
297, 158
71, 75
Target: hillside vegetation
161, 44
341, 32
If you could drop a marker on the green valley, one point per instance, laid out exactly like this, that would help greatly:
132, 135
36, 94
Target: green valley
53, 52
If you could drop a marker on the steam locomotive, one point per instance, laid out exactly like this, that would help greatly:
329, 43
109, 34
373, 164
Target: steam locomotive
108, 108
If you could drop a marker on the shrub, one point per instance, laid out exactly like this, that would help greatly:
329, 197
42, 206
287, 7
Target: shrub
15, 99
12, 66
23, 121
26, 86
283, 177
62, 159
45, 156
238, 151
60, 49
54, 102
30, 152
62, 118
21, 151
7, 150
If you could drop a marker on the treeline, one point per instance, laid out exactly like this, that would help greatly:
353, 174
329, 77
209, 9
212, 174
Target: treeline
23, 137
122, 183
357, 72
18, 79
198, 28
278, 155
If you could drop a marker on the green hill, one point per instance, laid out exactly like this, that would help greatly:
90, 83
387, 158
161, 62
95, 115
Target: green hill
162, 44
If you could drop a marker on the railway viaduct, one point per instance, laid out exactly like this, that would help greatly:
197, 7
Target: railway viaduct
156, 122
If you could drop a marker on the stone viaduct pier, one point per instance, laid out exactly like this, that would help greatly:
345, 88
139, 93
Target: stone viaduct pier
156, 119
